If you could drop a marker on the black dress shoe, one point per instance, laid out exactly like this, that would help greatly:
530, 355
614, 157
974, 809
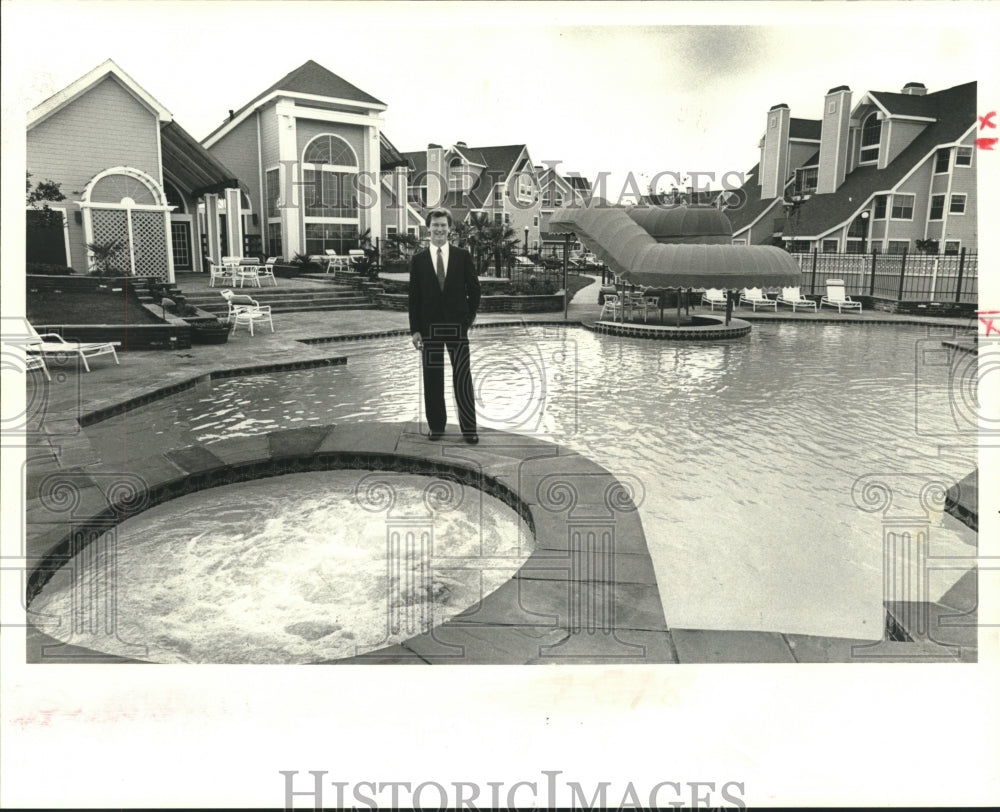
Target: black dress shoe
471, 439
435, 435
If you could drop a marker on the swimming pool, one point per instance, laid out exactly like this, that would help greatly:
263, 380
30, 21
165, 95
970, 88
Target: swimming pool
746, 456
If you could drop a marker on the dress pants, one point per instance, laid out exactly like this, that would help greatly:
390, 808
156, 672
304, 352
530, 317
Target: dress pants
455, 339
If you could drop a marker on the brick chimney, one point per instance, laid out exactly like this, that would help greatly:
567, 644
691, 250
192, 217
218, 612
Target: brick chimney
914, 89
833, 140
774, 156
437, 175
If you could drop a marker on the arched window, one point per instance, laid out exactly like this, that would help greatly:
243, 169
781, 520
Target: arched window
329, 177
330, 195
174, 197
871, 137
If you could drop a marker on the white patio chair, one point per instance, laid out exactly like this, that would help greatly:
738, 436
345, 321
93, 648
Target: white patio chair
794, 297
755, 298
248, 273
713, 297
220, 272
335, 262
55, 344
836, 296
613, 304
34, 361
266, 271
244, 310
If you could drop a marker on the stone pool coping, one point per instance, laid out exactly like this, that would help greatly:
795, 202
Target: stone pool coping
587, 594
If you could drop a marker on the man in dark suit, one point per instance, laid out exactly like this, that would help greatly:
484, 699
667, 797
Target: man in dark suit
444, 298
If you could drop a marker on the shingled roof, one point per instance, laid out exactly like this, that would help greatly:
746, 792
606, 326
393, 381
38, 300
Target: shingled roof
808, 128
310, 78
499, 162
953, 111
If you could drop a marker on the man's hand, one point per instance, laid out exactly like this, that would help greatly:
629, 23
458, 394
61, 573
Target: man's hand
418, 341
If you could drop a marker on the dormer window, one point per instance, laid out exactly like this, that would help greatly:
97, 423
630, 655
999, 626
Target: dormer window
871, 138
805, 181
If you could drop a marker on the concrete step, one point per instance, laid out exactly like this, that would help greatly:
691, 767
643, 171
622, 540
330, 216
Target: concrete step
355, 303
270, 296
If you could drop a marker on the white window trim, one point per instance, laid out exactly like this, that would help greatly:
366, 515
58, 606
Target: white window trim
965, 204
888, 208
944, 247
891, 206
930, 208
947, 151
959, 152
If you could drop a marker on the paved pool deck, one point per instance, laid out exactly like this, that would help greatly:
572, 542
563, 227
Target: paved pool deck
506, 627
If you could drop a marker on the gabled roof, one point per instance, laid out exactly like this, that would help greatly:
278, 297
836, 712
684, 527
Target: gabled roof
753, 207
90, 79
310, 79
498, 162
904, 104
190, 164
578, 182
955, 112
806, 128
389, 156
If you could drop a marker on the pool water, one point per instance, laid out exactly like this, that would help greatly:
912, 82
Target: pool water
748, 457
296, 569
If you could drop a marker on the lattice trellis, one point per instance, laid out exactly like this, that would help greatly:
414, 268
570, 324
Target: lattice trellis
149, 228
112, 224
148, 239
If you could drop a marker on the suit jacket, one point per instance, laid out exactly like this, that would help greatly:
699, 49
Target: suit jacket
456, 304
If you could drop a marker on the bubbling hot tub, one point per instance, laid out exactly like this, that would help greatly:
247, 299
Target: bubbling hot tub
300, 568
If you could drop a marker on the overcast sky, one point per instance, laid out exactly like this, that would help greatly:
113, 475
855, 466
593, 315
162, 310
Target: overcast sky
641, 88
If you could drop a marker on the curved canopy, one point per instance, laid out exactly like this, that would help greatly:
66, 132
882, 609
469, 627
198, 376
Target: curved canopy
684, 224
633, 254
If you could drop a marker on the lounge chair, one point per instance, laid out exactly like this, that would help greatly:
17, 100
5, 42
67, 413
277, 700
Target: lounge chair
756, 298
55, 344
244, 310
713, 297
335, 262
32, 361
794, 297
837, 297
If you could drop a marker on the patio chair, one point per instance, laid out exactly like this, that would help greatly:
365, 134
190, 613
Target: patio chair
836, 296
244, 310
217, 272
755, 298
55, 344
794, 297
613, 303
249, 273
266, 271
335, 262
713, 297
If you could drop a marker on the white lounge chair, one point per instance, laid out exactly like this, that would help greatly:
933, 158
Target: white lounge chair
836, 296
33, 361
713, 297
794, 297
55, 344
755, 298
244, 310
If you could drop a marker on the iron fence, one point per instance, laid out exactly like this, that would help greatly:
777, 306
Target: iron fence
903, 277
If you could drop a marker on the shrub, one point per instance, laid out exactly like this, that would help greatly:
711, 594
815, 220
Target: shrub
45, 269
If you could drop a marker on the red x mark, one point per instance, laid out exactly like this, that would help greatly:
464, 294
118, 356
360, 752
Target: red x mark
987, 121
989, 322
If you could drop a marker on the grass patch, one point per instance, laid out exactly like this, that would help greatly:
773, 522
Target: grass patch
85, 307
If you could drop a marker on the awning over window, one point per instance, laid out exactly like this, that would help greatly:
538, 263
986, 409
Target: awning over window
193, 166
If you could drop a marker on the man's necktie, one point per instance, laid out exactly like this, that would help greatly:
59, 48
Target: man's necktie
440, 269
